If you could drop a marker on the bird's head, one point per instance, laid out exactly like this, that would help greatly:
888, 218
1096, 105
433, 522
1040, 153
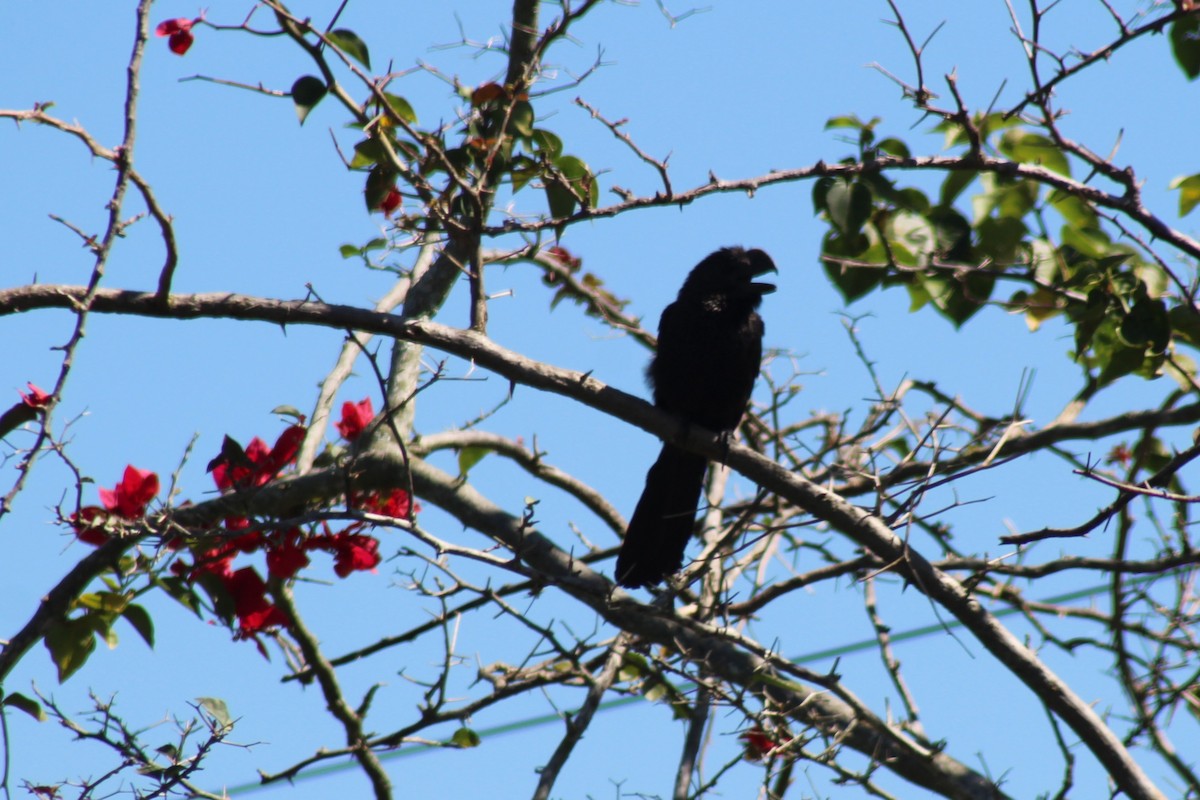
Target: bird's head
730, 273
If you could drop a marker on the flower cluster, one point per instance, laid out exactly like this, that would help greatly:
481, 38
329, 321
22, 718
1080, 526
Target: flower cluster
355, 418
123, 504
179, 32
239, 592
36, 398
757, 744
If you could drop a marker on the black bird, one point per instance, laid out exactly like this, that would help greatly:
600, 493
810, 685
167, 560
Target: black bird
709, 351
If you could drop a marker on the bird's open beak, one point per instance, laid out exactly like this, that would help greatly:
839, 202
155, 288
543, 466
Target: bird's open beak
764, 288
760, 264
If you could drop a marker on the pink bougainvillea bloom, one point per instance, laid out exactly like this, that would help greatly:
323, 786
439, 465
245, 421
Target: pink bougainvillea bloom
355, 418
564, 255
254, 612
757, 744
354, 552
127, 502
89, 525
135, 491
261, 464
285, 450
396, 503
36, 398
286, 556
180, 31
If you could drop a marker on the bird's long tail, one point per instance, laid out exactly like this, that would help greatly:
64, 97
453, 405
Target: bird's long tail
661, 525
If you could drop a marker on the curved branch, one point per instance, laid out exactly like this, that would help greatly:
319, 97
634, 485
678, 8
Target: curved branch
862, 527
531, 462
722, 654
1128, 204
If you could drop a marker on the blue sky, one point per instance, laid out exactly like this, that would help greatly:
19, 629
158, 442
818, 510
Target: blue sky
261, 206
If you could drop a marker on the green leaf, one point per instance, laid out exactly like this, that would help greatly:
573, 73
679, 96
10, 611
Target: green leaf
633, 666
350, 250
1120, 361
70, 642
402, 108
520, 119
911, 199
1152, 275
349, 43
958, 298
367, 152
1182, 370
1185, 322
953, 234
27, 704
1034, 148
380, 181
1091, 242
218, 594
1001, 238
289, 411
522, 170
469, 457
1088, 319
1147, 324
954, 184
217, 709
105, 602
307, 91
139, 618
1075, 212
581, 178
1038, 307
562, 200
181, 591
547, 143
656, 692
849, 121
1189, 192
1185, 44
1005, 196
848, 205
465, 737
894, 147
914, 235
852, 282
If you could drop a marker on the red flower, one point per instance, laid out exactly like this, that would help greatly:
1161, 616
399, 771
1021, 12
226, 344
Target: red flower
36, 397
180, 31
283, 453
390, 202
89, 525
135, 491
1118, 455
564, 255
256, 465
352, 552
397, 503
126, 502
254, 612
758, 744
355, 418
286, 557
